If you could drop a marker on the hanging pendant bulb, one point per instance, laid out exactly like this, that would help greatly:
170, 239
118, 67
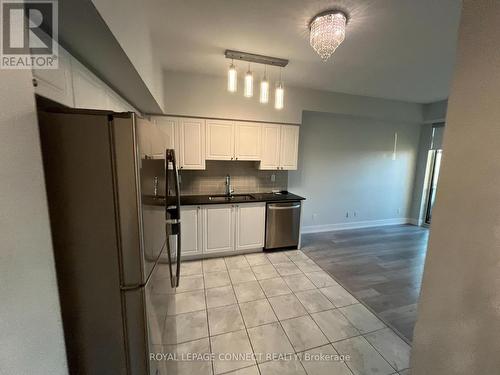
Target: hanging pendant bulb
264, 88
232, 78
248, 90
279, 94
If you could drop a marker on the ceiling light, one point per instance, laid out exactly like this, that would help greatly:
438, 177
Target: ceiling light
279, 94
248, 90
264, 89
232, 78
327, 32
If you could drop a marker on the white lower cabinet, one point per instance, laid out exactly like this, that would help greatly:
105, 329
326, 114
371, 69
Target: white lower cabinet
191, 230
218, 228
250, 225
222, 228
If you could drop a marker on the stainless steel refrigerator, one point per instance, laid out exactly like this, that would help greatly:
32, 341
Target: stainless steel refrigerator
116, 247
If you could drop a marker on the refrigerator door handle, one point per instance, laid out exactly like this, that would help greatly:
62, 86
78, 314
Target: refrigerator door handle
167, 223
174, 214
178, 210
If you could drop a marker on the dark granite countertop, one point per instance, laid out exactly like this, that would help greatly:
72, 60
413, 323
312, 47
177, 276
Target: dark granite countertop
193, 200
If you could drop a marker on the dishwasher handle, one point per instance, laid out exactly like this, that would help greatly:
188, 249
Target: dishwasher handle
276, 207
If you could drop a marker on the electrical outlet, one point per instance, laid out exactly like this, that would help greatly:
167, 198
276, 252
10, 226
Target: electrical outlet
273, 177
354, 214
399, 211
314, 218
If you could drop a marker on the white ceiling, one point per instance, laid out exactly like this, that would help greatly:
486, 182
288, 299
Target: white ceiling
396, 49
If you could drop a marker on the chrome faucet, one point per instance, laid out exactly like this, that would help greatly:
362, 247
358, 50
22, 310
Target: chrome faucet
229, 188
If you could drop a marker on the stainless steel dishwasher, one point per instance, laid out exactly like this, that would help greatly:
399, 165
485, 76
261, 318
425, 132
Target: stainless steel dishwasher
282, 224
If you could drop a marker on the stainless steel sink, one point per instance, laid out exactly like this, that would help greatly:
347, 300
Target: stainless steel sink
230, 198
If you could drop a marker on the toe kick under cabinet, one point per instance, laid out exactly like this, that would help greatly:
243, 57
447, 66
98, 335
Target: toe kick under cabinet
222, 229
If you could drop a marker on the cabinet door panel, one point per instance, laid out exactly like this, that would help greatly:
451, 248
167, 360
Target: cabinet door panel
248, 141
166, 126
289, 147
191, 230
220, 140
56, 84
192, 143
250, 225
89, 91
270, 155
218, 228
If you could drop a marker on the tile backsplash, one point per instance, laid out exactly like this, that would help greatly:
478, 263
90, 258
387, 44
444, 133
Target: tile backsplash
245, 178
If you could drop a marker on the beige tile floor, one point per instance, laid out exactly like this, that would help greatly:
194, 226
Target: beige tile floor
269, 304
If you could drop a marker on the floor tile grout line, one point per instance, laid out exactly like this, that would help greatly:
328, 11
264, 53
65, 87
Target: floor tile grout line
208, 324
328, 340
281, 276
244, 323
356, 327
360, 301
352, 325
279, 322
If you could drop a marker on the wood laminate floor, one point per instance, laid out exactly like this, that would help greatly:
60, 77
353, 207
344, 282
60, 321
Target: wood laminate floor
380, 266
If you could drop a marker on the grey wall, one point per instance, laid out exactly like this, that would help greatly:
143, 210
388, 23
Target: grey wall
31, 336
435, 112
207, 96
345, 165
458, 316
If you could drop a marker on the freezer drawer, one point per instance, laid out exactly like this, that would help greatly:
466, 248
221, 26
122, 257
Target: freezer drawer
282, 225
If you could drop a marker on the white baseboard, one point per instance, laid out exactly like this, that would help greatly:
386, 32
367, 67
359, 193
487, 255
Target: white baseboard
416, 222
356, 225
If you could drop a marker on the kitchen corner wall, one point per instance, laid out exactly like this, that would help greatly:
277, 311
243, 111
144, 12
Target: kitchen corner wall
347, 173
245, 178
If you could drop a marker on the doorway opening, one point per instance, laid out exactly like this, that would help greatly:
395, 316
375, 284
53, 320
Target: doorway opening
435, 165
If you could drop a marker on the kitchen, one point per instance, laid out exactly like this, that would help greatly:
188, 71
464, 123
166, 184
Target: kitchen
215, 199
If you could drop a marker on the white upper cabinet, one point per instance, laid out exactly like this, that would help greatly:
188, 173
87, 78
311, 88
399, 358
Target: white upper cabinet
247, 141
89, 91
191, 230
191, 143
289, 147
144, 135
250, 225
220, 140
218, 229
229, 140
280, 146
271, 142
56, 84
167, 131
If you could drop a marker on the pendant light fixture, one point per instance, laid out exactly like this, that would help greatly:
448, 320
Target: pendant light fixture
327, 31
232, 78
279, 94
264, 88
248, 90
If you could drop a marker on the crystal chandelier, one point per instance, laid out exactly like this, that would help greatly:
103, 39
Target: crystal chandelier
327, 32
